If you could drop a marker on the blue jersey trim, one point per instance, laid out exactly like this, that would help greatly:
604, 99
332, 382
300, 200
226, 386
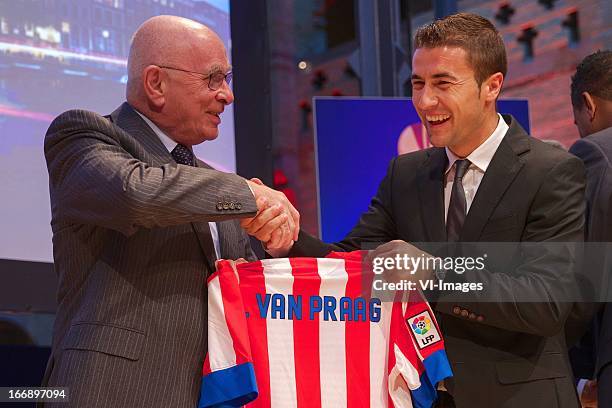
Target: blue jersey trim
231, 387
425, 395
437, 368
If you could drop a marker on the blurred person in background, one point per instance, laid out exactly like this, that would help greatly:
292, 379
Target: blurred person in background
591, 94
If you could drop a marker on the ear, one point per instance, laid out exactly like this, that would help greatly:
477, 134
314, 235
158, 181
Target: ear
589, 105
154, 85
492, 86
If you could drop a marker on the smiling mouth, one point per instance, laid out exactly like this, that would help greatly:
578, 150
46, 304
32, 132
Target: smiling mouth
435, 120
217, 117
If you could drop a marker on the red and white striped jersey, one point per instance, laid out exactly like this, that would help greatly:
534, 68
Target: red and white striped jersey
306, 332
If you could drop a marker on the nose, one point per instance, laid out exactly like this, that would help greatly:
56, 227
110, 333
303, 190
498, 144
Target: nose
225, 94
425, 98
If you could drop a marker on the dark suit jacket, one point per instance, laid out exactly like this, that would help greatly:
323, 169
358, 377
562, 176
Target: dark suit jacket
515, 354
131, 249
596, 153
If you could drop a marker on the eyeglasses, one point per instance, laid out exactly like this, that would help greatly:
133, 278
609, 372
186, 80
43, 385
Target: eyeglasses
215, 80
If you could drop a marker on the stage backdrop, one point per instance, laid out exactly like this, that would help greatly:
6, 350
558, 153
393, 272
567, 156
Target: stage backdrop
355, 140
59, 55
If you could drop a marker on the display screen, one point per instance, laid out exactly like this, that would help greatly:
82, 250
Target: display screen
57, 55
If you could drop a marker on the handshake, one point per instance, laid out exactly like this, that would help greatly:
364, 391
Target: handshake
277, 223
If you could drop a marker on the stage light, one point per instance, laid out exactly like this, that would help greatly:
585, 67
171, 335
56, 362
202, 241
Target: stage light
504, 13
319, 80
549, 4
573, 27
528, 34
306, 109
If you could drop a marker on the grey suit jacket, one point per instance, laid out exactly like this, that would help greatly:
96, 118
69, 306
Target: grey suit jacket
503, 354
131, 248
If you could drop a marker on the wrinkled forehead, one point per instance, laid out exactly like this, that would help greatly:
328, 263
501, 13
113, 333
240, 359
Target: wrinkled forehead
433, 62
209, 56
216, 68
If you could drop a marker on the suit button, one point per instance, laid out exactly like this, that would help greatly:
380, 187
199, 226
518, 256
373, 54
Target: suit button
480, 318
464, 313
456, 310
232, 205
226, 205
238, 206
472, 316
219, 206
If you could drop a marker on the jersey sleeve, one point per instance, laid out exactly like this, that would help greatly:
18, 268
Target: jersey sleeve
228, 376
417, 354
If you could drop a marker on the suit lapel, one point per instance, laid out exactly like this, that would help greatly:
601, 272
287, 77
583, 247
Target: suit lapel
430, 184
225, 232
155, 153
202, 230
502, 170
154, 150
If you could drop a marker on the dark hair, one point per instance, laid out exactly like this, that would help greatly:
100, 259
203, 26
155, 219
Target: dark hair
475, 34
593, 75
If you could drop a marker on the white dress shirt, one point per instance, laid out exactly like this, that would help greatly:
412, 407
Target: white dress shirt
480, 159
170, 145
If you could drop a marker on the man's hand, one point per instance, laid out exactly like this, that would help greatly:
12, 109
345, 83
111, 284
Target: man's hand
402, 253
588, 398
277, 222
232, 263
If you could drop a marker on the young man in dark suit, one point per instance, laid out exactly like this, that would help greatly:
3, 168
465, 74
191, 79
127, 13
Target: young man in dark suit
485, 180
138, 223
592, 103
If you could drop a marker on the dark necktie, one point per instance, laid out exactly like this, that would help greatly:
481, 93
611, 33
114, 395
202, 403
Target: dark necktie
182, 155
457, 207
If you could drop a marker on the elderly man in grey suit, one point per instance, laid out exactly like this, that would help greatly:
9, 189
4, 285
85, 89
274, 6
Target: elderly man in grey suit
592, 103
138, 222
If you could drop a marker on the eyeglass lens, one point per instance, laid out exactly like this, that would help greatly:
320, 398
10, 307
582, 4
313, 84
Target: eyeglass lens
216, 80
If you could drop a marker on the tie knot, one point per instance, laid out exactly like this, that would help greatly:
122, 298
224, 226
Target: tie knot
182, 155
461, 167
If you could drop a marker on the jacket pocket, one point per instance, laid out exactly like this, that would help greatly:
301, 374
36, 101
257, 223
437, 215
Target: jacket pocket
105, 338
549, 365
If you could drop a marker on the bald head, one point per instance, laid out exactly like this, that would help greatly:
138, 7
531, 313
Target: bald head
169, 41
170, 69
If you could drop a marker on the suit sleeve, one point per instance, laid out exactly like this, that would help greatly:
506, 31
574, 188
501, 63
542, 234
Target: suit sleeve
546, 273
598, 232
375, 226
598, 229
93, 179
598, 190
416, 352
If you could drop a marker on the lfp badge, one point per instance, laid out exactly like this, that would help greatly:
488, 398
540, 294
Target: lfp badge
423, 329
421, 324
